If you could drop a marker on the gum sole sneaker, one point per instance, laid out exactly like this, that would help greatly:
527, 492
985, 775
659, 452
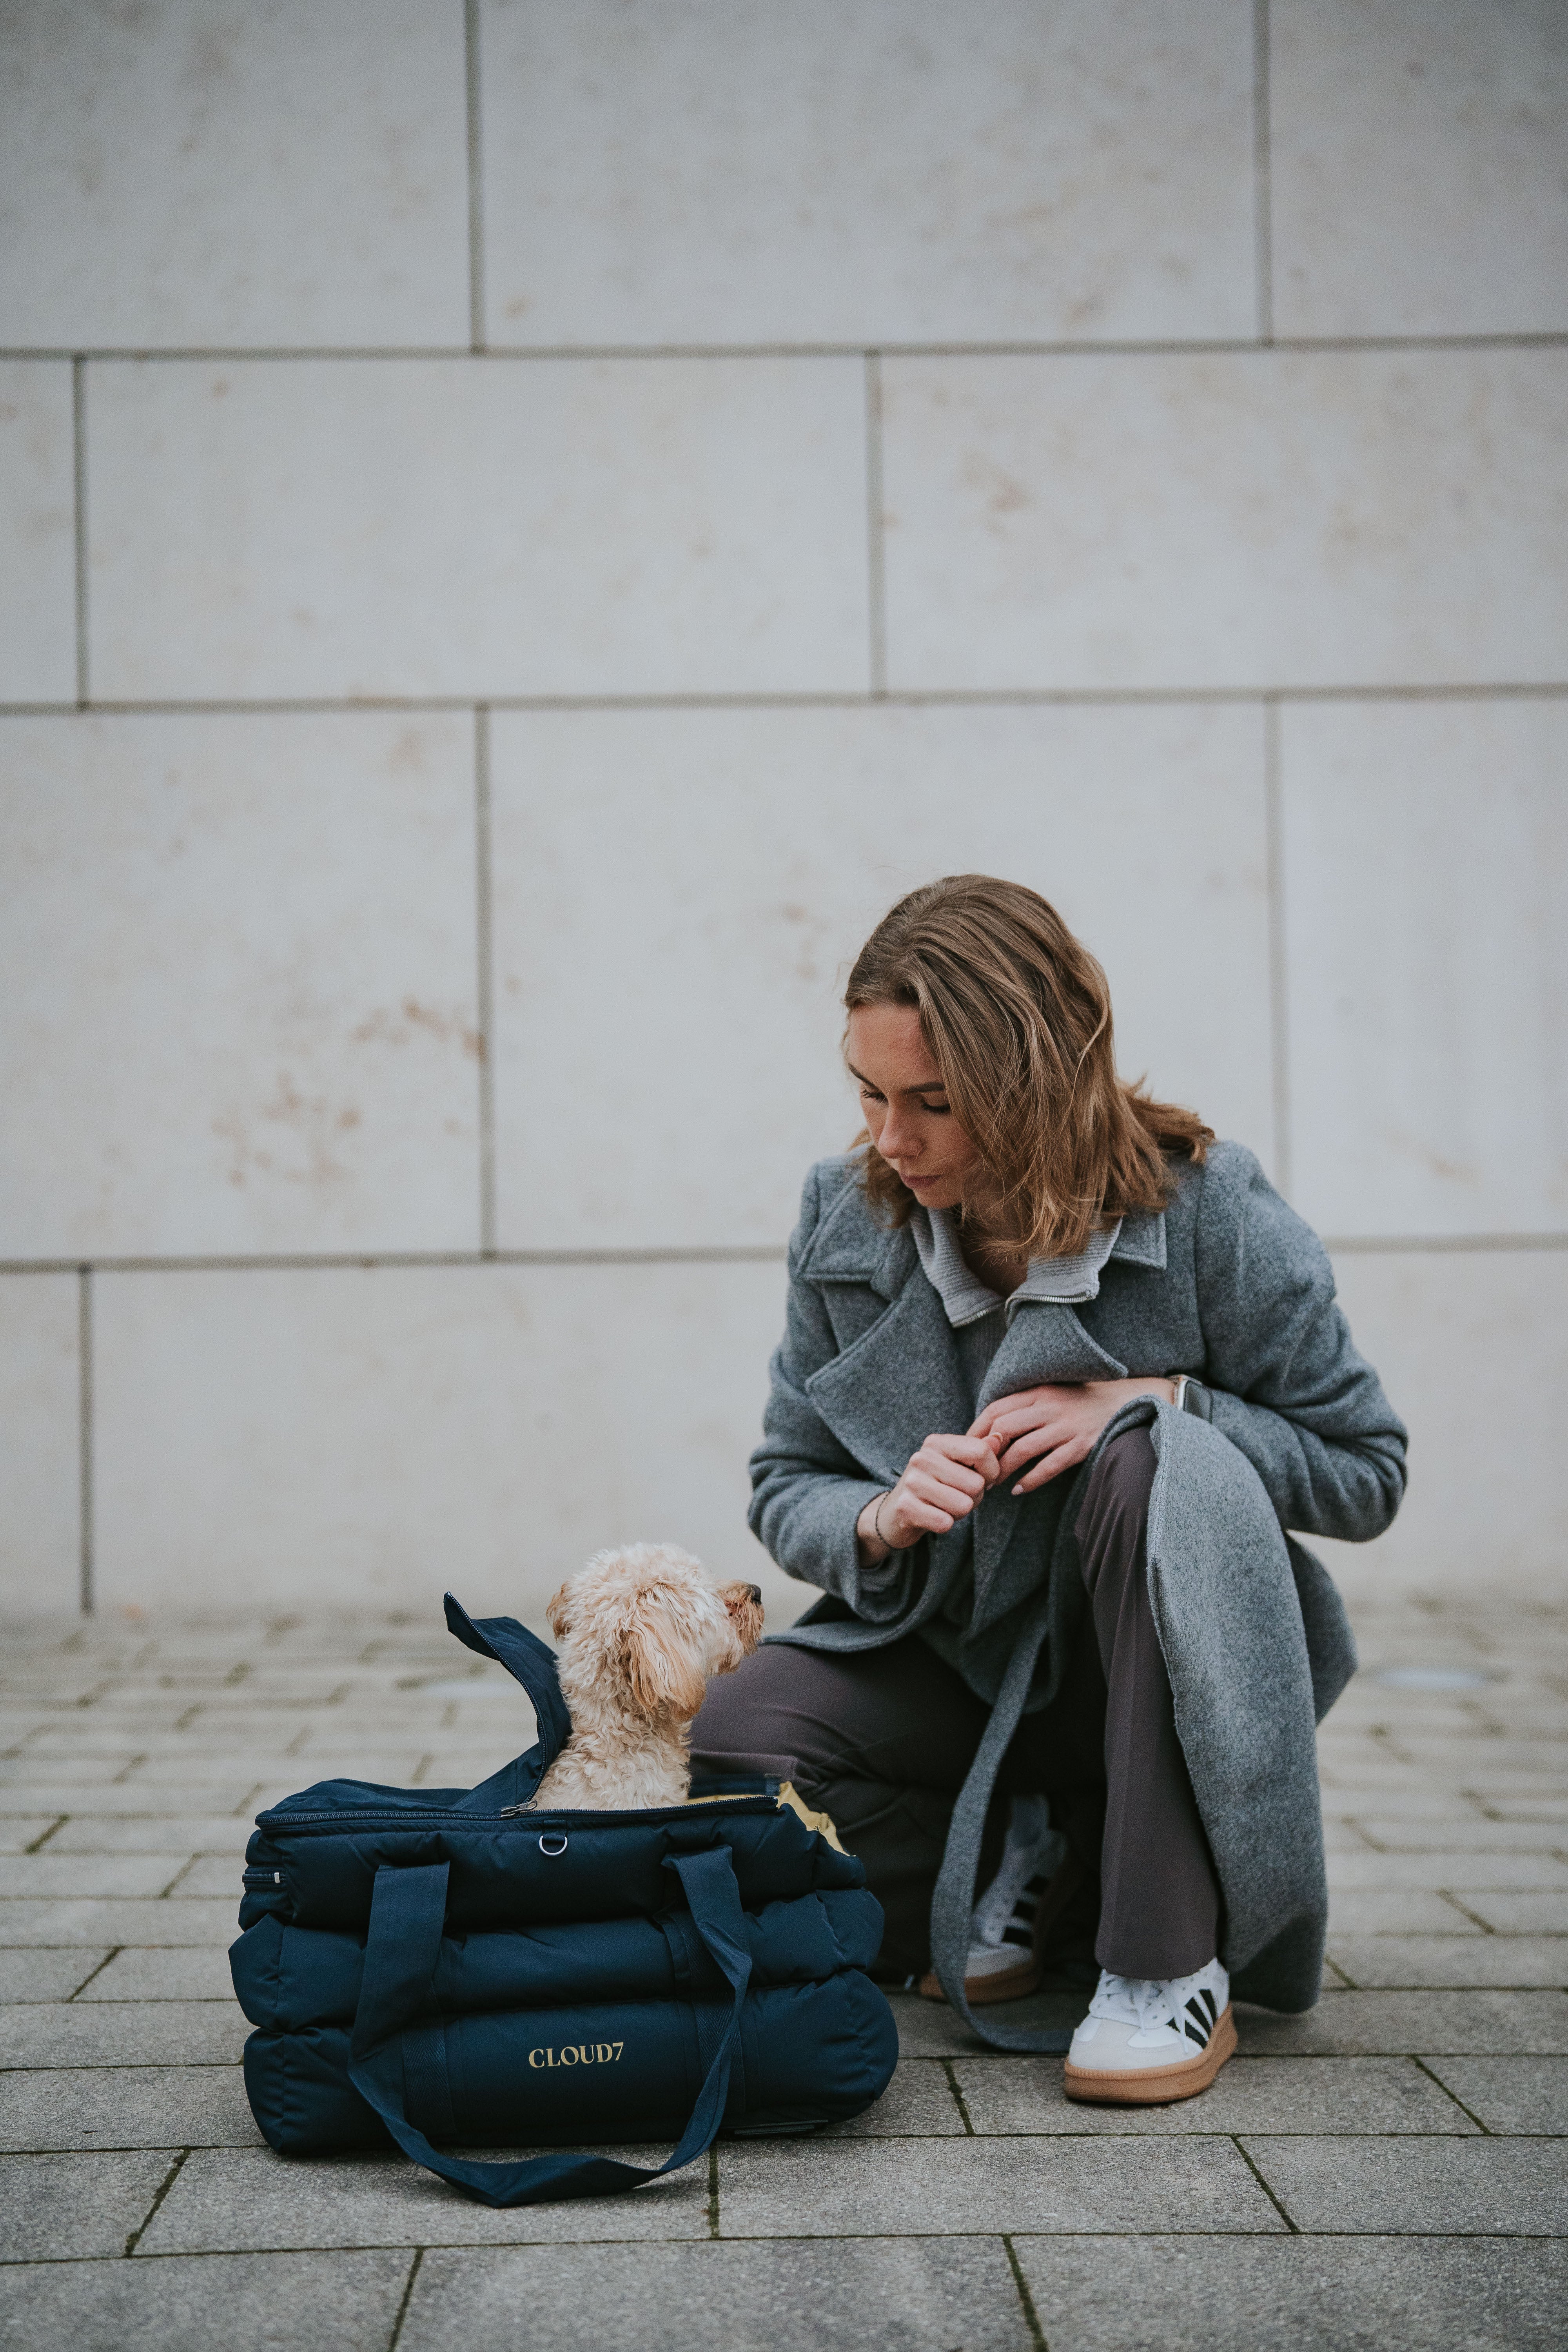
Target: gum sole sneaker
1152, 2086
1001, 1963
1147, 2042
1018, 1975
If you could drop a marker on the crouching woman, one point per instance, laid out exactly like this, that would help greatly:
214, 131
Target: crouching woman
1058, 1372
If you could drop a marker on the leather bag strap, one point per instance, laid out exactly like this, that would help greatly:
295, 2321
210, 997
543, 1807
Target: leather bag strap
407, 1911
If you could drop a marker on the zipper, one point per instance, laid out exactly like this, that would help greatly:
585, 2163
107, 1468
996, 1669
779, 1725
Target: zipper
448, 1816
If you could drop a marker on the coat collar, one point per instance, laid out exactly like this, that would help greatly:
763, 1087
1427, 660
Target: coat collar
850, 1245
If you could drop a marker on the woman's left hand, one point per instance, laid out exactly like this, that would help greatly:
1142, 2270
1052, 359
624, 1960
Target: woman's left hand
1055, 1428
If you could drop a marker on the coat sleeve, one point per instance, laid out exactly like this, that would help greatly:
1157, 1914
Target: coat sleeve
808, 1490
1290, 1389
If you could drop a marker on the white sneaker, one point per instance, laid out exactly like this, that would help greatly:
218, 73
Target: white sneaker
1147, 2040
1000, 1964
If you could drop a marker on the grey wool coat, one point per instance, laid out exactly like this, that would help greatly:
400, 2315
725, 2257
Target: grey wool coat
1227, 1283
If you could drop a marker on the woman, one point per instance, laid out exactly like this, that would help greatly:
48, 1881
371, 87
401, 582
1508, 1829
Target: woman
1059, 1371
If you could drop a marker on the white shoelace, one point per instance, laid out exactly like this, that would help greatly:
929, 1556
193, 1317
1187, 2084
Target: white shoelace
1146, 1996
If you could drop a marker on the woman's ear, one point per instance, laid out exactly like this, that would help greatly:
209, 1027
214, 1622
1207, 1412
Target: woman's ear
557, 1616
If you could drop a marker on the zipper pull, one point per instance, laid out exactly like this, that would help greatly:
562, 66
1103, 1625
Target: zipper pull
507, 1812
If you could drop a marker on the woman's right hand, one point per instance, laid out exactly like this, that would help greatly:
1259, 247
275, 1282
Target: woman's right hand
941, 1483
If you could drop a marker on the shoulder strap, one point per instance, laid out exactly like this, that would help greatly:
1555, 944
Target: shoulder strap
953, 1903
407, 1910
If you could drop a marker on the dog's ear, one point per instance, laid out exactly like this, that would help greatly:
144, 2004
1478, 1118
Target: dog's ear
557, 1616
662, 1677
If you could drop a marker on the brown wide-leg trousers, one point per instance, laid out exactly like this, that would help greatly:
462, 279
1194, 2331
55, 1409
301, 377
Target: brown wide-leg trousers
883, 1740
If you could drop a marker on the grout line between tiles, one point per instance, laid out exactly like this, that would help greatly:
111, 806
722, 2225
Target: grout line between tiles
408, 2282
472, 92
134, 2239
1031, 2316
876, 540
484, 902
79, 494
956, 2088
1447, 2093
86, 1596
1262, 174
1236, 2142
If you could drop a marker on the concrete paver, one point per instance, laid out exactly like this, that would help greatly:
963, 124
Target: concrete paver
1297, 2295
787, 2297
1431, 2187
1376, 2171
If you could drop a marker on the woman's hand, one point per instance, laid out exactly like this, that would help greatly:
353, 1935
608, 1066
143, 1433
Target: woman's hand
1054, 1428
941, 1485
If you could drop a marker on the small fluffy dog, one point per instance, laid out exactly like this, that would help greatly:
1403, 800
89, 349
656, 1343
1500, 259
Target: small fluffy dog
640, 1631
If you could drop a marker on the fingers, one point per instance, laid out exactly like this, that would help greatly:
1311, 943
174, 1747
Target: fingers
1024, 1409
977, 1454
1065, 1456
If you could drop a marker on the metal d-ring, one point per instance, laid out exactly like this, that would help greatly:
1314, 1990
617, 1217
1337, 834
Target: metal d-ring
553, 1843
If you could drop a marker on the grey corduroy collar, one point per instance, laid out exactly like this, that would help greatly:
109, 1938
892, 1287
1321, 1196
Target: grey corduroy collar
1058, 1281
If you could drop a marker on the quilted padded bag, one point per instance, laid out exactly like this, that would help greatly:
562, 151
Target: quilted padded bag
441, 1965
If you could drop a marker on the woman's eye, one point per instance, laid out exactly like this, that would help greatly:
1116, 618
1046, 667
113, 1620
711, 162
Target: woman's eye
939, 1110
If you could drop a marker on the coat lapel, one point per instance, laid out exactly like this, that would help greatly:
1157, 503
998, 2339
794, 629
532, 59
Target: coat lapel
885, 1395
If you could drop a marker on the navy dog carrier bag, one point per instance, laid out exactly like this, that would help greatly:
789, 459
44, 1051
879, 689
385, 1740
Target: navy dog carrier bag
442, 1965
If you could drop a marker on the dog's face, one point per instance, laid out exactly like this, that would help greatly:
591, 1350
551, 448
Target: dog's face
645, 1627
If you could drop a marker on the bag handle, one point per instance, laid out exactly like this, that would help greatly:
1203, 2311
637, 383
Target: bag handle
529, 1662
407, 1914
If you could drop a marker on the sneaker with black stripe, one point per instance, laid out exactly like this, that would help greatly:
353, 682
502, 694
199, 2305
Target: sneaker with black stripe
1001, 1965
1149, 2039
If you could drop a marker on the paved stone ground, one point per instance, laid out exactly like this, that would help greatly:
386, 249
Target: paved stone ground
1383, 2171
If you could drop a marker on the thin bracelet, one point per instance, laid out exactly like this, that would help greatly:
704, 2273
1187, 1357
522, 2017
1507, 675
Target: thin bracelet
877, 1517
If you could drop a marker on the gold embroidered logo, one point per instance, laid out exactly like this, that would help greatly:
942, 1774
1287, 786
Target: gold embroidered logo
578, 2053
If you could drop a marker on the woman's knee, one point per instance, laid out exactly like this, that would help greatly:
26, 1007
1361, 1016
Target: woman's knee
1124, 1474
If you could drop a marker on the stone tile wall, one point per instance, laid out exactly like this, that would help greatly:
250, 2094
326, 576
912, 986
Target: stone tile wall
522, 528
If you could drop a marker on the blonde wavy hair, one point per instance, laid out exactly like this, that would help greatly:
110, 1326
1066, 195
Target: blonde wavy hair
1017, 1015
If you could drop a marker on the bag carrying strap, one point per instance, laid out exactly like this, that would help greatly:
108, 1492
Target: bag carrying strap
408, 1910
952, 1903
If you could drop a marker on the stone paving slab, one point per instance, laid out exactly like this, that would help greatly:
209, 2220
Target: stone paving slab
1483, 1836
56, 2206
1384, 1910
928, 2029
112, 1921
121, 2032
1431, 2187
1529, 1912
112, 1800
242, 2201
1435, 1867
196, 1972
878, 2189
1416, 2023
922, 2296
1510, 2095
20, 1831
1296, 2294
181, 1834
49, 1875
917, 2102
126, 2106
47, 1974
1373, 1960
1249, 2094
242, 2303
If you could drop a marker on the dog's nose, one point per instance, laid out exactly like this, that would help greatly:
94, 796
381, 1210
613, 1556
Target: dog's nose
756, 1592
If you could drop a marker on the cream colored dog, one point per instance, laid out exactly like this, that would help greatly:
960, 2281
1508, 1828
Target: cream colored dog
640, 1631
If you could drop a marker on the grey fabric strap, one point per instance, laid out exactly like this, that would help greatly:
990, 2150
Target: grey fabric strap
953, 1901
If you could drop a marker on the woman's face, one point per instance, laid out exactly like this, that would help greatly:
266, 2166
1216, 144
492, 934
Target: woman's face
904, 1104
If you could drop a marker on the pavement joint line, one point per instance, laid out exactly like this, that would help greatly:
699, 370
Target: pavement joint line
1031, 2316
407, 2298
87, 1979
40, 1843
713, 2189
1464, 2110
173, 2174
1237, 2143
948, 2065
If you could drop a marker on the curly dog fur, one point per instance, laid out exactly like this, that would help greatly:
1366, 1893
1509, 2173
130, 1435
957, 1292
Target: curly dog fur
640, 1631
